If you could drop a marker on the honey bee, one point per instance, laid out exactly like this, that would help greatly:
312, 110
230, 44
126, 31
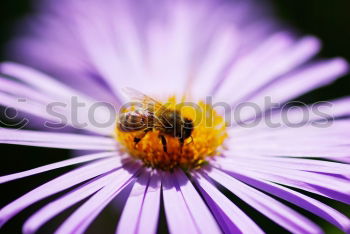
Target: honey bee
152, 115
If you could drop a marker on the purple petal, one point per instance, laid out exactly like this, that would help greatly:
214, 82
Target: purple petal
271, 208
251, 60
67, 64
302, 151
295, 117
12, 87
297, 83
328, 190
309, 140
276, 66
129, 219
79, 221
30, 107
85, 121
28, 135
312, 205
335, 128
304, 80
344, 160
123, 39
52, 209
39, 80
56, 140
222, 49
199, 211
325, 181
148, 218
230, 217
68, 162
58, 184
293, 163
75, 146
178, 215
42, 85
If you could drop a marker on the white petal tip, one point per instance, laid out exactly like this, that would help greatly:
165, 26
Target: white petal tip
342, 64
313, 40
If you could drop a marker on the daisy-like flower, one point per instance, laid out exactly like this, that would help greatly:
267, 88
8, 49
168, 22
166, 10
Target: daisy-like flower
84, 52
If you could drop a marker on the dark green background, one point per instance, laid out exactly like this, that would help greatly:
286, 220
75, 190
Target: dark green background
328, 20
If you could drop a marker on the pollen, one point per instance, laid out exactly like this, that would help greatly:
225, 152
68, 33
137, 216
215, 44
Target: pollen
206, 140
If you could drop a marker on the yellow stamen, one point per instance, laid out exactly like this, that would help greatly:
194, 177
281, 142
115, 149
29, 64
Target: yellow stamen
208, 135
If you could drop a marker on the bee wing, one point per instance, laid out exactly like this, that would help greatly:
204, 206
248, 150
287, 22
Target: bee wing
151, 104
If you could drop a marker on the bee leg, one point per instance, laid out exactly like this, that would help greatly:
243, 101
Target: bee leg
182, 141
139, 138
162, 137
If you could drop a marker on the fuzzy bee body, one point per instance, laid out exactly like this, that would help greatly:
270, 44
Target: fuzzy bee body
155, 116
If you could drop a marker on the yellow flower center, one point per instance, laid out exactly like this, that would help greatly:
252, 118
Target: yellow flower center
209, 133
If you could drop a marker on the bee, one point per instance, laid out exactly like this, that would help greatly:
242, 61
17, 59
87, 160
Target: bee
149, 115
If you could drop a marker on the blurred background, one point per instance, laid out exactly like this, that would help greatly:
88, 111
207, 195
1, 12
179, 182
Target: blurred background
328, 20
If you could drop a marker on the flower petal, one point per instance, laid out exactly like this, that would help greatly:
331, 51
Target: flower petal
148, 219
10, 86
270, 207
39, 80
27, 106
80, 118
298, 83
85, 214
199, 211
276, 66
129, 219
329, 182
295, 116
58, 184
312, 205
299, 164
68, 105
229, 216
307, 131
178, 215
29, 135
52, 209
68, 162
252, 60
309, 140
222, 49
56, 140
321, 184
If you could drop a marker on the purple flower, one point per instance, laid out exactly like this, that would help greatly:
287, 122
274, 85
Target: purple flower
88, 51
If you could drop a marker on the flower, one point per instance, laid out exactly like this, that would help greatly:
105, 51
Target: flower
192, 49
